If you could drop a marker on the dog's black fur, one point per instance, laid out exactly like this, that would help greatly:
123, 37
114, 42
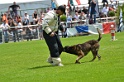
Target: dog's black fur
82, 50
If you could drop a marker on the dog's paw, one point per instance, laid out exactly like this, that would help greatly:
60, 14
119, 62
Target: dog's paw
77, 62
99, 58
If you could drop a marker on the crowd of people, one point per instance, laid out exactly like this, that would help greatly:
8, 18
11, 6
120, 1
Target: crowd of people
12, 22
91, 11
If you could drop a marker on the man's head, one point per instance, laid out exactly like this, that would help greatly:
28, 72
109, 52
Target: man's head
60, 10
14, 3
26, 13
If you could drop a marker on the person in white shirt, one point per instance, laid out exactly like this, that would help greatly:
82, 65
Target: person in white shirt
76, 16
5, 27
105, 10
69, 20
26, 19
20, 30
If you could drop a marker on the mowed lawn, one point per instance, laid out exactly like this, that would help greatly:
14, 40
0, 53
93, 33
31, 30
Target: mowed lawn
26, 62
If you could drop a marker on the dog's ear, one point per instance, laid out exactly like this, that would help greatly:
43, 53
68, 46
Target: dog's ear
78, 47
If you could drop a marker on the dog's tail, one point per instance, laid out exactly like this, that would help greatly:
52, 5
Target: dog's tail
100, 34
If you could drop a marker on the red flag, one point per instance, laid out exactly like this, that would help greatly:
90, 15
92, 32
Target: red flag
78, 2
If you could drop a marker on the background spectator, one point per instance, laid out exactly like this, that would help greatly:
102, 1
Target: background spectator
112, 8
76, 16
14, 30
40, 28
93, 10
85, 10
69, 20
78, 10
9, 17
35, 17
20, 28
82, 16
5, 27
29, 34
4, 18
47, 10
14, 8
26, 19
53, 4
105, 10
104, 1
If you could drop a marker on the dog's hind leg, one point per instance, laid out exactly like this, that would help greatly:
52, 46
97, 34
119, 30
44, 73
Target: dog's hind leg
99, 57
94, 52
94, 57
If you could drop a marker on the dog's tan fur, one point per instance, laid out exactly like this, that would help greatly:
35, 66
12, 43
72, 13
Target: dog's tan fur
82, 50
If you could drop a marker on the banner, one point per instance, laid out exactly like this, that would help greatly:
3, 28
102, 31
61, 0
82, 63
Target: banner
106, 27
90, 29
78, 2
81, 29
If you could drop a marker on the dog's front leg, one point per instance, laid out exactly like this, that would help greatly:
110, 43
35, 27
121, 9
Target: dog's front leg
81, 55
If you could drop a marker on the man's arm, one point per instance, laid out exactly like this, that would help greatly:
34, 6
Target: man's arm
45, 24
18, 6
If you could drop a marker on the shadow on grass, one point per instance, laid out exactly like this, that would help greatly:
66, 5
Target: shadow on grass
47, 66
38, 67
86, 61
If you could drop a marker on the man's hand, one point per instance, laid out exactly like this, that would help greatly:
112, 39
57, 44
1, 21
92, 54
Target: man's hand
52, 34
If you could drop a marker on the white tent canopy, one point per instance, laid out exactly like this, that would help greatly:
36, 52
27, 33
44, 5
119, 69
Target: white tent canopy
17, 1
28, 6
25, 4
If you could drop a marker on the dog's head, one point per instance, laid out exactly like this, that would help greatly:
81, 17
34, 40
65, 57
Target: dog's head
66, 48
72, 49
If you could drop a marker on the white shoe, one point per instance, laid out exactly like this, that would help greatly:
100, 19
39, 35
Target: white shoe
60, 64
49, 60
56, 62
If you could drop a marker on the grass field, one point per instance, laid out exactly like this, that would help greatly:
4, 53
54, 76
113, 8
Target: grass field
26, 62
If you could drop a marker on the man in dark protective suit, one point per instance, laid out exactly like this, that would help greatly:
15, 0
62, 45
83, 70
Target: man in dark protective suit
50, 32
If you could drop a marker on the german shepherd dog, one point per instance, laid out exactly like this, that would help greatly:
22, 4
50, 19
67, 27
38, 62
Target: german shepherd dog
83, 49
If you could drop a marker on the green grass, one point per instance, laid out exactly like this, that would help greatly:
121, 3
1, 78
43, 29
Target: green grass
26, 62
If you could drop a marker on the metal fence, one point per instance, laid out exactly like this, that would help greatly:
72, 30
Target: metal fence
34, 32
17, 34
